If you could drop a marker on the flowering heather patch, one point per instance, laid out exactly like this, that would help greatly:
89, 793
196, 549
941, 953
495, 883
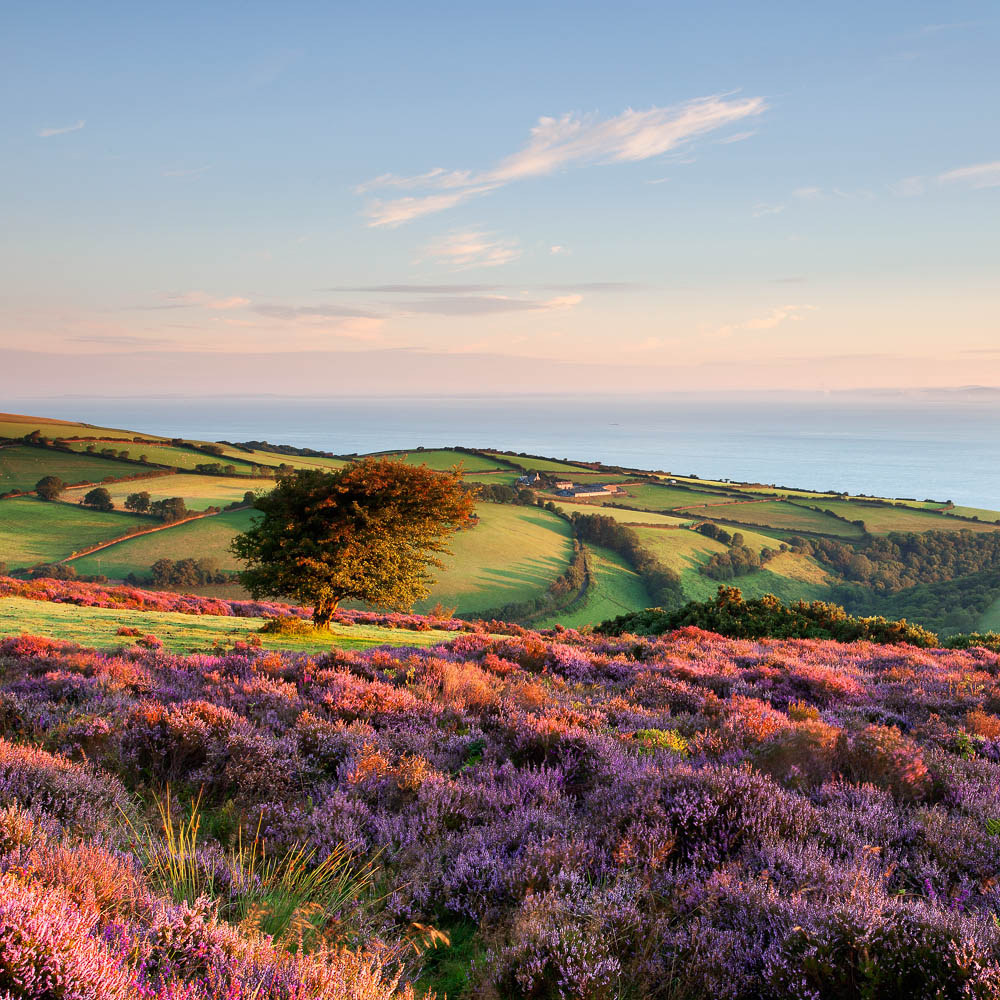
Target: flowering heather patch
95, 595
682, 816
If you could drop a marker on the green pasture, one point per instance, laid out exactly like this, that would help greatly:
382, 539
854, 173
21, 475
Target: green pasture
981, 512
16, 425
274, 458
615, 589
22, 466
97, 628
622, 515
781, 515
165, 454
990, 620
881, 520
492, 478
655, 497
512, 554
34, 531
205, 538
198, 491
788, 575
441, 459
540, 464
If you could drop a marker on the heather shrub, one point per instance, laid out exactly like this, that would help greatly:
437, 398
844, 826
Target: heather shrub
883, 756
49, 949
74, 794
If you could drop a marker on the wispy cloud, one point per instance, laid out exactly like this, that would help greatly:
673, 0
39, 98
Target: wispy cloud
464, 250
558, 143
979, 175
777, 316
321, 312
197, 300
762, 208
483, 305
558, 250
47, 133
736, 137
461, 289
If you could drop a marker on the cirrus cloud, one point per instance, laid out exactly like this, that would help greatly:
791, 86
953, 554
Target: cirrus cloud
557, 143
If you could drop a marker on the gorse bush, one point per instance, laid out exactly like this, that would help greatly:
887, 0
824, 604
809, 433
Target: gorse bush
732, 615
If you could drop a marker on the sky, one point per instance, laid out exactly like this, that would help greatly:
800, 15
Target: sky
452, 197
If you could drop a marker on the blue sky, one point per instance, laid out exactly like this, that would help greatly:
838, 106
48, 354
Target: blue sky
716, 195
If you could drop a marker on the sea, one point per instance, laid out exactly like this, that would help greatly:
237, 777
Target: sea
937, 445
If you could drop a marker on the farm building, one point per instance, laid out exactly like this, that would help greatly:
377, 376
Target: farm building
590, 490
529, 479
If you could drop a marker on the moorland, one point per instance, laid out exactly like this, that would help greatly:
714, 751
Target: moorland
600, 762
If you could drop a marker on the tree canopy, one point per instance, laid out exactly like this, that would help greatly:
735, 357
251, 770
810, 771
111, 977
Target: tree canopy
369, 531
49, 487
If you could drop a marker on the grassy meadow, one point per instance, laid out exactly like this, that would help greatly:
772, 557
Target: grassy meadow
781, 515
21, 466
180, 633
881, 520
615, 588
167, 454
198, 491
442, 459
35, 531
207, 537
512, 554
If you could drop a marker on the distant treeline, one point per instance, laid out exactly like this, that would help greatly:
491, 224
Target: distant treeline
905, 559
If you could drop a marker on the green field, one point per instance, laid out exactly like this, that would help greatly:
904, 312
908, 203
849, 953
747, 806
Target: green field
33, 531
990, 620
512, 554
97, 627
16, 425
540, 464
779, 514
788, 575
274, 458
622, 515
206, 538
615, 588
881, 520
198, 491
22, 466
492, 478
167, 455
654, 497
442, 459
980, 512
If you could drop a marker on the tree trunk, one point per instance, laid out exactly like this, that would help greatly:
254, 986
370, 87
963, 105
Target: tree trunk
323, 612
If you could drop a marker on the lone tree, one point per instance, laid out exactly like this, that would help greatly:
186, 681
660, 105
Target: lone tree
99, 499
368, 531
49, 487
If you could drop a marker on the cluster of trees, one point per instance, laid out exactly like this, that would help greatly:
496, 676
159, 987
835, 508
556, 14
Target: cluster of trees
186, 573
729, 614
279, 449
663, 584
948, 607
501, 493
905, 559
739, 560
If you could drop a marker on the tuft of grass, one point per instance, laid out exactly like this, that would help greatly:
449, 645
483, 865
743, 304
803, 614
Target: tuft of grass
300, 903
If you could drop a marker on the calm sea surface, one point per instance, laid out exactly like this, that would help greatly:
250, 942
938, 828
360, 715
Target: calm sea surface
941, 446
